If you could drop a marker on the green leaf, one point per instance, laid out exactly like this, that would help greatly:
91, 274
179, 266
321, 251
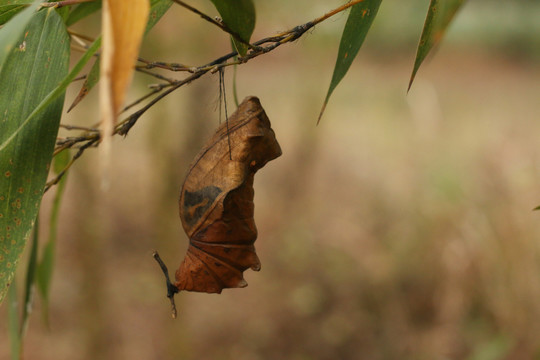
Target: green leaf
91, 79
54, 94
158, 8
239, 17
439, 16
29, 125
46, 265
30, 279
10, 8
14, 325
10, 33
358, 24
537, 208
82, 10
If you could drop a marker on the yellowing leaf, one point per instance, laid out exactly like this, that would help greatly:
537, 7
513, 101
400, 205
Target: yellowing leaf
124, 23
158, 8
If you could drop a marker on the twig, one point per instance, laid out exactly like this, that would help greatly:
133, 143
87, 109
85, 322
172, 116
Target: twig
81, 150
171, 289
91, 138
75, 127
164, 65
157, 76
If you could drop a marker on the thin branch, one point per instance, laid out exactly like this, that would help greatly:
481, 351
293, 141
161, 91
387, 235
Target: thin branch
56, 180
157, 76
91, 138
76, 127
163, 65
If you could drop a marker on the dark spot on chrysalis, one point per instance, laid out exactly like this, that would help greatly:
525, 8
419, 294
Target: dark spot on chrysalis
197, 202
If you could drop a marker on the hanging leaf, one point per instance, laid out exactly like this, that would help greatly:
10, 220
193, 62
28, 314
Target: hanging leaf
27, 136
14, 324
216, 203
358, 24
439, 16
239, 17
124, 22
46, 265
157, 10
91, 79
30, 279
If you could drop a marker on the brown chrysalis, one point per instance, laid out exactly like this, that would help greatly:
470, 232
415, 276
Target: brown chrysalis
216, 203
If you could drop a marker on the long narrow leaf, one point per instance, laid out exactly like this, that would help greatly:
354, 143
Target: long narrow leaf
158, 8
439, 16
239, 16
26, 80
46, 265
30, 279
91, 79
54, 94
10, 8
14, 324
82, 10
358, 24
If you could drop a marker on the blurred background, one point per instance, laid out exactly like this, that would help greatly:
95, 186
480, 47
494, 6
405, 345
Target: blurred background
401, 227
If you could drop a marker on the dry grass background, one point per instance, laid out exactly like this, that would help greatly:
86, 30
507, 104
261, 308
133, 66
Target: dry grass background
400, 228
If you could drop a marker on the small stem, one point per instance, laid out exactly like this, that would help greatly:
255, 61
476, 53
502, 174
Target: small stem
336, 11
157, 76
75, 157
171, 289
75, 127
162, 65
